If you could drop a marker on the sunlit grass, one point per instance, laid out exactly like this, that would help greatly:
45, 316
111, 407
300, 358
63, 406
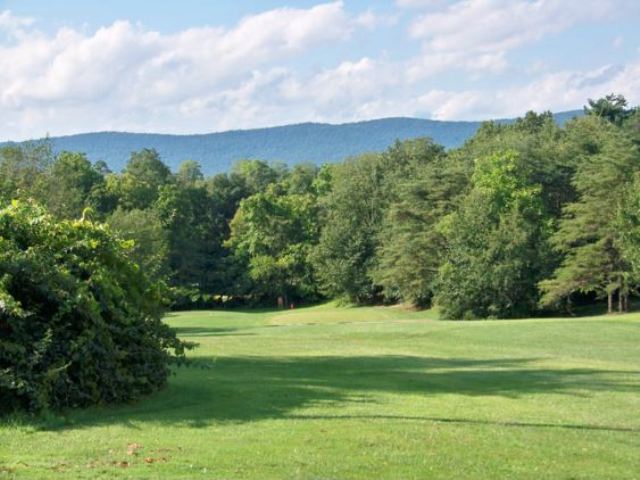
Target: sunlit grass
339, 392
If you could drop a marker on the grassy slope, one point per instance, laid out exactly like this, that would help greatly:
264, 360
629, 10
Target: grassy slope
365, 393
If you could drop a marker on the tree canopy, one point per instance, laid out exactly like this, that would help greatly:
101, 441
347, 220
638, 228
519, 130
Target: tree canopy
525, 217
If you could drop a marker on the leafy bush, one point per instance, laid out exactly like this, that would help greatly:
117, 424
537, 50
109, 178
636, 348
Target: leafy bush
80, 324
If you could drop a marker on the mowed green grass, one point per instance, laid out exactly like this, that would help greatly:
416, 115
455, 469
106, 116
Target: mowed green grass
364, 393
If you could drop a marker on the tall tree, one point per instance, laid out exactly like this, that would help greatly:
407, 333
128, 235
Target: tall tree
194, 227
69, 185
411, 245
23, 168
257, 174
612, 108
140, 182
588, 237
150, 243
496, 243
274, 233
189, 173
352, 212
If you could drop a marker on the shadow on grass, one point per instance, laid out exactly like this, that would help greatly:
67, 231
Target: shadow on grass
244, 389
258, 310
209, 332
464, 421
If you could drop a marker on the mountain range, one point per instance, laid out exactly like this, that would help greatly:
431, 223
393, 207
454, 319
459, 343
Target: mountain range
306, 142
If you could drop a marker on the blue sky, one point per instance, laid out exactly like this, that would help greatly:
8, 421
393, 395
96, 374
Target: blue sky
201, 66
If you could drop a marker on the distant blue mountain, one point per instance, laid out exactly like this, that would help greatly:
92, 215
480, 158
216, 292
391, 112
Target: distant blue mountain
307, 142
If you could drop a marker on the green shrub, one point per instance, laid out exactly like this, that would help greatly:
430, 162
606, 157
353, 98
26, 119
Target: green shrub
80, 324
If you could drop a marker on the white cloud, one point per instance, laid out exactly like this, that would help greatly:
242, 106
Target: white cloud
126, 77
371, 20
418, 3
478, 34
122, 69
367, 88
557, 92
13, 25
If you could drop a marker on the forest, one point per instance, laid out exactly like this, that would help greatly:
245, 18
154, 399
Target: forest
524, 219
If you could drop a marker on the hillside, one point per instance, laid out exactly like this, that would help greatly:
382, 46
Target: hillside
307, 142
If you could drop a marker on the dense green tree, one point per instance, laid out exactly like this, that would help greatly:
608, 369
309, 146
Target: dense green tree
495, 244
301, 178
275, 233
256, 174
69, 185
632, 127
627, 224
150, 249
411, 246
193, 225
140, 182
227, 190
352, 212
80, 324
23, 168
189, 173
612, 108
588, 237
540, 145
469, 226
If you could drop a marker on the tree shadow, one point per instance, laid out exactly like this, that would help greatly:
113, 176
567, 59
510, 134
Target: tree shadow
466, 421
250, 388
209, 332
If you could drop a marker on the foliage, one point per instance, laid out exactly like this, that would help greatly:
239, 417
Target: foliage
411, 246
80, 323
470, 227
274, 233
352, 210
195, 231
189, 173
144, 228
70, 184
612, 108
495, 244
140, 182
588, 235
627, 224
310, 142
22, 169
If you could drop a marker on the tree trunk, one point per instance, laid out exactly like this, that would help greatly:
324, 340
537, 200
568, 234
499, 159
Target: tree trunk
620, 301
610, 302
568, 305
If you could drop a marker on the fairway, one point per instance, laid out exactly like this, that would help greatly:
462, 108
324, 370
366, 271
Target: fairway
363, 393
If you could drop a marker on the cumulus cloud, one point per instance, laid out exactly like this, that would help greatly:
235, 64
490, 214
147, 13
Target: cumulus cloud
123, 68
367, 88
556, 91
12, 24
371, 20
478, 34
418, 3
127, 77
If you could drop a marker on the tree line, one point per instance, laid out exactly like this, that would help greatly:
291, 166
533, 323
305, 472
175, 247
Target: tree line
524, 218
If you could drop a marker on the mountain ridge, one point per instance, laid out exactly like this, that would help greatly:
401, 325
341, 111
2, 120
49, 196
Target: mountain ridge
314, 142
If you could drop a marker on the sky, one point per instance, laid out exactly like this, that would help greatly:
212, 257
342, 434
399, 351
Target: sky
197, 66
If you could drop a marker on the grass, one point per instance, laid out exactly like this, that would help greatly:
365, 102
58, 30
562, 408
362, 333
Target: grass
346, 393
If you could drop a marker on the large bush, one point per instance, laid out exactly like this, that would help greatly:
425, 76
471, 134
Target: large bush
80, 324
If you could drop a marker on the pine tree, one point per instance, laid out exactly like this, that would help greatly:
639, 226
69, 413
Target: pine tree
588, 236
411, 245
